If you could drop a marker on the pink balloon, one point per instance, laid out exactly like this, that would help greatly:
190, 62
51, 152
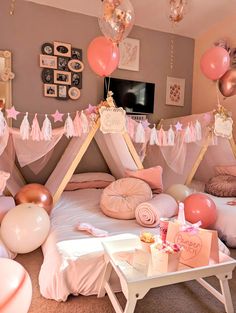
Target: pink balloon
215, 62
15, 287
200, 207
103, 56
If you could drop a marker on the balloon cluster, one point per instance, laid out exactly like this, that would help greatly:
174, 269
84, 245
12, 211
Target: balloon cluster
115, 21
215, 65
177, 10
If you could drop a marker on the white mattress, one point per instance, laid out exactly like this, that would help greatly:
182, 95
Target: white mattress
73, 260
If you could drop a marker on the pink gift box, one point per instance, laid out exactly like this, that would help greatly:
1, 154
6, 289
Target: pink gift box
164, 262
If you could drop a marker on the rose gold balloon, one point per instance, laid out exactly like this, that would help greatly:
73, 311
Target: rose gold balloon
37, 194
177, 8
116, 19
227, 83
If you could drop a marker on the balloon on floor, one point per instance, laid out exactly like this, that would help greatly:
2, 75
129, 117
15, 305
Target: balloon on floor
25, 227
15, 287
37, 194
200, 207
179, 192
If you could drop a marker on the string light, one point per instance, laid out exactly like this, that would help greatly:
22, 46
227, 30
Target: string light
12, 7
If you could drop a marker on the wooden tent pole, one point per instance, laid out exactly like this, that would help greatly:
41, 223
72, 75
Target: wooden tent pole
199, 159
76, 161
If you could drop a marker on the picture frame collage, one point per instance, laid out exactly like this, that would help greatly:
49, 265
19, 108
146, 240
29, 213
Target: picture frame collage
62, 69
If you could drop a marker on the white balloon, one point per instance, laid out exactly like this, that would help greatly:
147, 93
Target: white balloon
179, 192
25, 227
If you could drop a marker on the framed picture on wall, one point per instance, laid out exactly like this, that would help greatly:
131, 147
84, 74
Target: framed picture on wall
48, 61
175, 88
129, 54
50, 90
62, 77
62, 49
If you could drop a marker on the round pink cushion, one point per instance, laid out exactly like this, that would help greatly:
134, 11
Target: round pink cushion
222, 186
120, 199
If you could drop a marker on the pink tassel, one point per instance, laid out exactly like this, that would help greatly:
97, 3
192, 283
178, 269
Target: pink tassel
35, 133
25, 128
77, 125
85, 123
130, 127
153, 136
162, 137
3, 124
192, 132
187, 135
47, 129
198, 129
140, 134
69, 127
170, 137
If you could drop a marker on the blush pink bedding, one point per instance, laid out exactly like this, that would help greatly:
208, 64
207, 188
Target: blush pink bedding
74, 260
148, 213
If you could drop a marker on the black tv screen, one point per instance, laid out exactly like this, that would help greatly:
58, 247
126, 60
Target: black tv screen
133, 96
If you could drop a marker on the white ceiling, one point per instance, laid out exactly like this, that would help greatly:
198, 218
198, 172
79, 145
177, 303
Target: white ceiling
201, 14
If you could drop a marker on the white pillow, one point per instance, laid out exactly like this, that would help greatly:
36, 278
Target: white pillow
84, 177
4, 251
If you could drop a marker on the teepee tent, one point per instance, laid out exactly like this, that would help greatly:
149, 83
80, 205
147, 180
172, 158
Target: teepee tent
184, 162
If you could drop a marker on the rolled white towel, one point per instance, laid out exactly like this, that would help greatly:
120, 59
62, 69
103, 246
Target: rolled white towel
148, 213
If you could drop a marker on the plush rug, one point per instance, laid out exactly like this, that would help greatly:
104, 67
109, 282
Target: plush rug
187, 297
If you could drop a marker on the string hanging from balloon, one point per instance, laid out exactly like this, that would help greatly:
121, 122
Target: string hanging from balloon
12, 7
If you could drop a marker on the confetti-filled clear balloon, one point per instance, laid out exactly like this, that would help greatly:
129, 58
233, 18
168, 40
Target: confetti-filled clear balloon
116, 19
177, 10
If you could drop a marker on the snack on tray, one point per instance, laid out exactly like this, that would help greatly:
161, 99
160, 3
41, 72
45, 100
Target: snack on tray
167, 247
147, 237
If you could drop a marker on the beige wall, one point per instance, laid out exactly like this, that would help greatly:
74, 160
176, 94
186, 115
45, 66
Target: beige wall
204, 90
33, 24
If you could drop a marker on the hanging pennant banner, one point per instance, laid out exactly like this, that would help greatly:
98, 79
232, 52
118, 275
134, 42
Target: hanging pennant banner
223, 126
112, 120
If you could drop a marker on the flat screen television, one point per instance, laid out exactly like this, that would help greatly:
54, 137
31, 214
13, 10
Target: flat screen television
134, 96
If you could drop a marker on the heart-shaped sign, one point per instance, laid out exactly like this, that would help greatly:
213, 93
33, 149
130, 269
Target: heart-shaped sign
191, 243
227, 83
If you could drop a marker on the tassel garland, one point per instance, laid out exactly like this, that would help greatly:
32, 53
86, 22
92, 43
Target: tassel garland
198, 130
153, 136
2, 124
77, 125
69, 127
25, 128
85, 123
35, 133
140, 134
170, 136
47, 129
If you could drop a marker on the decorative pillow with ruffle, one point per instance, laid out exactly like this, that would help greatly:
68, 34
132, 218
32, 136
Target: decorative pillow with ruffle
222, 186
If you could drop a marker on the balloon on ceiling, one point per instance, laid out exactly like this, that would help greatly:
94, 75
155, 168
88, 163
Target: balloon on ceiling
116, 19
227, 83
176, 10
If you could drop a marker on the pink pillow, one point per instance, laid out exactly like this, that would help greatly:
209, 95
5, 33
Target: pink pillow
87, 184
120, 199
226, 169
152, 176
222, 186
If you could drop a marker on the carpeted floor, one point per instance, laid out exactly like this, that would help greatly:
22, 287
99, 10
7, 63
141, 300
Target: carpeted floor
187, 297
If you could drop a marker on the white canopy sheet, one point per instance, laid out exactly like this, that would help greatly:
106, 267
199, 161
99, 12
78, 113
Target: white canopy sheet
73, 260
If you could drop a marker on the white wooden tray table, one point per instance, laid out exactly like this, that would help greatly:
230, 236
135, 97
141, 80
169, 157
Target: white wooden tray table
135, 284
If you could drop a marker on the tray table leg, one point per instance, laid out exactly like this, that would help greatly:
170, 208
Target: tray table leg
130, 304
226, 292
105, 279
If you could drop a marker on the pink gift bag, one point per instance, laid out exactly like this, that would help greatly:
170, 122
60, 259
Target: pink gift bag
200, 246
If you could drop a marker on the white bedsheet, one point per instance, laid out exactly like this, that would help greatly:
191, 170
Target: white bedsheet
73, 260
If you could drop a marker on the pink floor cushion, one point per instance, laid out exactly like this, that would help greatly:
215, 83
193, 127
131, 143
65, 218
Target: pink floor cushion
152, 176
6, 203
222, 186
120, 199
